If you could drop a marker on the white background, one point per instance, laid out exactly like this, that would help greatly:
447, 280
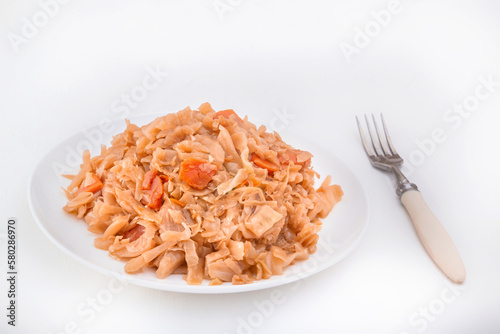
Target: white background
256, 57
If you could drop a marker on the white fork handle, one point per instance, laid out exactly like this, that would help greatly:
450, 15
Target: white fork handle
433, 236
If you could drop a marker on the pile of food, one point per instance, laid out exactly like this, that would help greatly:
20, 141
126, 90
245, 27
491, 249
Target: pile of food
205, 194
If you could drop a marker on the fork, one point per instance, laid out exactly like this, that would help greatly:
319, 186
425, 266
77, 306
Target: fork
432, 234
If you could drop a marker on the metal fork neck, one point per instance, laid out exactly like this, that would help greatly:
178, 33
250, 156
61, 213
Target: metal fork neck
403, 184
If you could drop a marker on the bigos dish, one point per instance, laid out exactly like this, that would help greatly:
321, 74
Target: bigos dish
204, 194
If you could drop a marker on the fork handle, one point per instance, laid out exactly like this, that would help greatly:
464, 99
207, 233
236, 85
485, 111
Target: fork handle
433, 236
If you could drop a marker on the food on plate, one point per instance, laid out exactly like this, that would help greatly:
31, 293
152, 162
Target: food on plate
204, 194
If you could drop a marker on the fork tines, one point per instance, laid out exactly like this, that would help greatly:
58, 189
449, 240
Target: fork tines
381, 146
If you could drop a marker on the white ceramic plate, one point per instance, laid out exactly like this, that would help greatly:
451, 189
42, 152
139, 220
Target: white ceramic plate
341, 231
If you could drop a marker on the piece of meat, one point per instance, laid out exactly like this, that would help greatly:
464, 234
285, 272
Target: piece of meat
134, 233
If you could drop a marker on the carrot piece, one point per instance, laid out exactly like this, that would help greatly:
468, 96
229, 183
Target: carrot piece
255, 182
271, 167
164, 178
197, 173
227, 113
94, 187
134, 233
176, 201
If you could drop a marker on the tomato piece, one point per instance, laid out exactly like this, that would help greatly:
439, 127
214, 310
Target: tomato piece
93, 187
152, 187
148, 179
154, 195
270, 166
197, 173
134, 233
227, 113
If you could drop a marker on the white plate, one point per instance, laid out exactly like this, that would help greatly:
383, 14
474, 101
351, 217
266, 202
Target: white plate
341, 231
